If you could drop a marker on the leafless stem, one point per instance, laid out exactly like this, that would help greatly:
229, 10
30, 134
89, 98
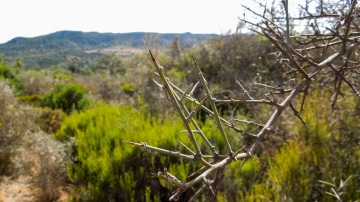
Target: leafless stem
337, 44
214, 109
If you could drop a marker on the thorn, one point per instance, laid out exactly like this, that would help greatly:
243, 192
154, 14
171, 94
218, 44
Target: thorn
158, 84
193, 89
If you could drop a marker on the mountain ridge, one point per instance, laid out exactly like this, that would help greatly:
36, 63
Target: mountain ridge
54, 48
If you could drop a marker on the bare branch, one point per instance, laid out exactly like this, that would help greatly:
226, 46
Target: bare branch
347, 21
232, 101
297, 114
214, 109
335, 44
149, 148
160, 71
245, 91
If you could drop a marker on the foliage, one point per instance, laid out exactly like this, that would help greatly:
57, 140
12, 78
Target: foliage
34, 99
66, 97
103, 168
24, 150
336, 191
128, 88
287, 176
67, 48
110, 63
18, 64
49, 120
231, 57
334, 146
7, 73
49, 169
36, 82
319, 163
106, 167
102, 163
304, 168
16, 120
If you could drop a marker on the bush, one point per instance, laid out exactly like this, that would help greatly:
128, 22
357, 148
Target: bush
49, 120
6, 73
26, 150
36, 82
16, 120
108, 88
322, 152
48, 168
334, 139
66, 97
287, 177
111, 64
33, 100
104, 167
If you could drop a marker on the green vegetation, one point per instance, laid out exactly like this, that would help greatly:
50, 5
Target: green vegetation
68, 48
104, 164
66, 97
7, 73
87, 110
111, 64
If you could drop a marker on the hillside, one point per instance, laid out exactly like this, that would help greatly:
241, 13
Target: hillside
74, 47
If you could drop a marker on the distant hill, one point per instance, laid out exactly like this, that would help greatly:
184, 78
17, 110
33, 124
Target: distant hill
74, 47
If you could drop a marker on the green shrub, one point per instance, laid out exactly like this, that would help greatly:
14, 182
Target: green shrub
327, 151
6, 73
110, 63
286, 179
128, 88
334, 140
33, 100
66, 97
105, 166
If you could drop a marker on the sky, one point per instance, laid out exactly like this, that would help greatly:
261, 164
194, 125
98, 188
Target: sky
30, 18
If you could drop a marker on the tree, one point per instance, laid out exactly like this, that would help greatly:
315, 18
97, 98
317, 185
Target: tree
110, 63
337, 43
175, 48
3, 59
18, 65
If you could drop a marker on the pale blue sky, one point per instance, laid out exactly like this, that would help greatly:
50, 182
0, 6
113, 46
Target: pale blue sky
29, 18
37, 17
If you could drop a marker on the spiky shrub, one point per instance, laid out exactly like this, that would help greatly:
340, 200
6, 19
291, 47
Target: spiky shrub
339, 56
312, 165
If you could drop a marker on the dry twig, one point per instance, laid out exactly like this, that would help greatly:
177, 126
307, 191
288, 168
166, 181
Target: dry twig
342, 41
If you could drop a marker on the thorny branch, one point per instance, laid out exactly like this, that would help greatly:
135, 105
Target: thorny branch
338, 45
